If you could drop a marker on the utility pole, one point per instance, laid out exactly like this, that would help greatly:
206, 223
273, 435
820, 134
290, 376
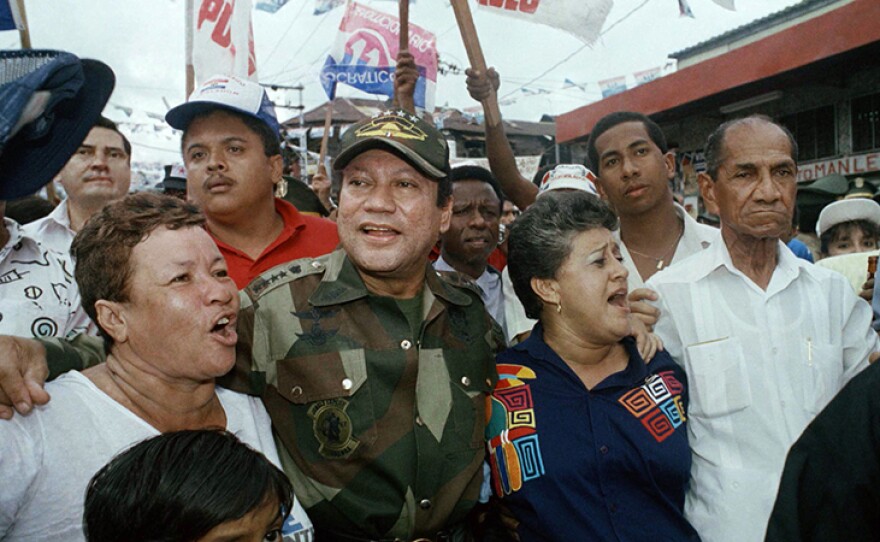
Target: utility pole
303, 140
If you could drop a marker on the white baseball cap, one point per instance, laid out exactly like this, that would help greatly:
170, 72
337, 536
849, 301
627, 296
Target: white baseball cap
226, 92
846, 210
571, 176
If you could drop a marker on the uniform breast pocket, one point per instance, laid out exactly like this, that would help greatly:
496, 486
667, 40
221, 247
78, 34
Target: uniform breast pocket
717, 377
471, 380
329, 395
822, 369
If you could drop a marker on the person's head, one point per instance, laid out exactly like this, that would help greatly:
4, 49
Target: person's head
568, 177
100, 170
476, 219
174, 182
848, 226
148, 272
187, 486
751, 178
230, 148
509, 212
565, 265
395, 197
628, 153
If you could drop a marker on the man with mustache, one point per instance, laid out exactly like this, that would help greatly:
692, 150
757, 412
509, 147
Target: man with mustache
98, 173
766, 339
231, 150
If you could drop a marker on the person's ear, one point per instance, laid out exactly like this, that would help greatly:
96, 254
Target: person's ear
446, 215
111, 318
707, 190
546, 289
669, 161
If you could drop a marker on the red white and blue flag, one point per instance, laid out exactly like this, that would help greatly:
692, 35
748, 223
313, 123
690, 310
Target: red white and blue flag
365, 54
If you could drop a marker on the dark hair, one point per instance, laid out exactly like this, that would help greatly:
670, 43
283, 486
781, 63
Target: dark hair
28, 209
104, 122
714, 151
268, 136
477, 173
611, 120
838, 230
102, 248
540, 238
180, 485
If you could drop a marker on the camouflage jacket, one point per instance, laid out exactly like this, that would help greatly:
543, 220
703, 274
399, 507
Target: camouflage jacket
381, 432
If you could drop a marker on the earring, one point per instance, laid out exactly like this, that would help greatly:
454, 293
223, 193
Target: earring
281, 188
559, 306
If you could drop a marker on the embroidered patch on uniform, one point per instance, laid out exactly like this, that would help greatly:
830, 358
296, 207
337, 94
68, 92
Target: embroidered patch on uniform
316, 335
331, 425
511, 434
657, 404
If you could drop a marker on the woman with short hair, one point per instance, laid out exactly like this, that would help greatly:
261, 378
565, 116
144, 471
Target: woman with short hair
586, 440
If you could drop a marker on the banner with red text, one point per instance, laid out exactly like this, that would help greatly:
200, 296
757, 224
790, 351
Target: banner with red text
223, 39
365, 54
581, 18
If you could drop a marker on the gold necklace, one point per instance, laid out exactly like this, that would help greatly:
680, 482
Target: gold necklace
668, 254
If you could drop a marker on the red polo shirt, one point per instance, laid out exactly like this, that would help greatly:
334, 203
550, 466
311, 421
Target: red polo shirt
302, 237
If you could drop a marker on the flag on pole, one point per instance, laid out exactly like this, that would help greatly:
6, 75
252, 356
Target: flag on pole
568, 83
684, 9
365, 53
223, 39
270, 6
726, 4
10, 17
647, 76
581, 18
610, 87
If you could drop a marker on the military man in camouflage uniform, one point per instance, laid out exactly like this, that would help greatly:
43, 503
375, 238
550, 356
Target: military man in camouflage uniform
375, 368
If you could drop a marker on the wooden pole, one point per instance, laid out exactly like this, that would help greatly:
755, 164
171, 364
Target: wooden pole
24, 33
475, 56
328, 116
188, 33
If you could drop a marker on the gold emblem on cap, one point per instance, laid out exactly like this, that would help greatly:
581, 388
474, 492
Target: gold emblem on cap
393, 127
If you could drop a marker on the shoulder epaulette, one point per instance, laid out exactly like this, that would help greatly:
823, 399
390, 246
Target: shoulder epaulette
285, 273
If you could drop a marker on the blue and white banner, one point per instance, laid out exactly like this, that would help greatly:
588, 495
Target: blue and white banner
270, 6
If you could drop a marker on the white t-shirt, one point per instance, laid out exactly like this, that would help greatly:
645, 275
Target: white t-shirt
48, 457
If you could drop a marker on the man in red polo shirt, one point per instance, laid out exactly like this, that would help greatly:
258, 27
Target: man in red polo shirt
233, 161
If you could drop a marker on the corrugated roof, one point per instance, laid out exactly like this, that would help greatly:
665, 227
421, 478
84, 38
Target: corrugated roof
758, 25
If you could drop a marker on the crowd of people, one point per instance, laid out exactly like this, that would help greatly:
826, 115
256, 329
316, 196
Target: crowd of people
436, 353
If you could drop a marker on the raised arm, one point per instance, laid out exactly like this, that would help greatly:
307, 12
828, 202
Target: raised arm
502, 162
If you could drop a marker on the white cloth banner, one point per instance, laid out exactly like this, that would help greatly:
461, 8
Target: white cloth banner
581, 18
726, 4
223, 39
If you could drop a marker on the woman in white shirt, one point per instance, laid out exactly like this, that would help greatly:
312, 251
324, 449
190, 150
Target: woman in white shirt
155, 283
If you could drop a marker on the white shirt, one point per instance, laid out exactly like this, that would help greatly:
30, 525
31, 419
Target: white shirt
53, 230
491, 291
694, 238
48, 457
38, 296
760, 365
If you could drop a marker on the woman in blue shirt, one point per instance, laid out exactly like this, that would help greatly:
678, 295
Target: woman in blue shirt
586, 441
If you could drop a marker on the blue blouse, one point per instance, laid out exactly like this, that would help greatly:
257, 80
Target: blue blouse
611, 463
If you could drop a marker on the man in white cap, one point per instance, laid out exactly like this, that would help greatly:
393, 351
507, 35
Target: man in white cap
232, 154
